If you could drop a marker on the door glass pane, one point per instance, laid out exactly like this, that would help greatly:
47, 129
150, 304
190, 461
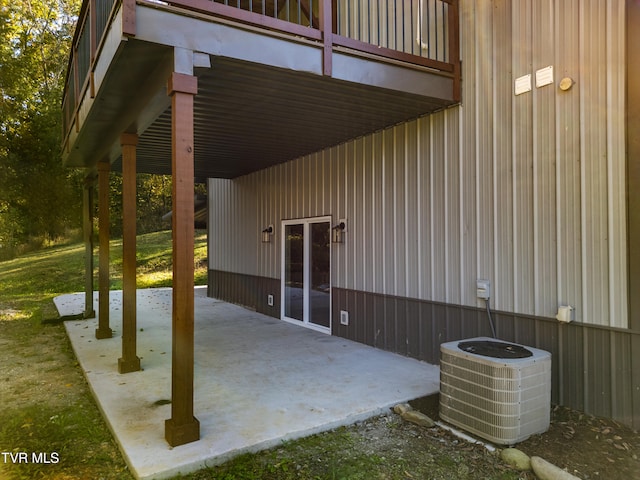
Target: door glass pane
320, 274
294, 271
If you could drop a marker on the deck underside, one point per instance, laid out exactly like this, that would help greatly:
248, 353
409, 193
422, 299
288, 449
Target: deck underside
263, 98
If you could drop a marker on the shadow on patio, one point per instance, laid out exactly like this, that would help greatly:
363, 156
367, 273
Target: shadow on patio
258, 381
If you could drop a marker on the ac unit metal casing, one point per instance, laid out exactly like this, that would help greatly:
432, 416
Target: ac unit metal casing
503, 400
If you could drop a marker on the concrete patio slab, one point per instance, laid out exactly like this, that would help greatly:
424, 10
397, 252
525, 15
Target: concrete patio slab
258, 381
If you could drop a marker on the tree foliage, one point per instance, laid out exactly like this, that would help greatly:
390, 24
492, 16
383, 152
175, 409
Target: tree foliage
38, 197
153, 201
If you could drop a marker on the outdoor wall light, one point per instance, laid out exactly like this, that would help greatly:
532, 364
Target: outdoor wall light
337, 232
266, 234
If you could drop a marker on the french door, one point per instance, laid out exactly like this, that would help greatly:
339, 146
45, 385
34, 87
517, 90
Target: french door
306, 272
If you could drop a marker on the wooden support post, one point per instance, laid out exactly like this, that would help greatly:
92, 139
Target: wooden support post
103, 330
129, 361
182, 427
326, 10
454, 47
129, 18
87, 228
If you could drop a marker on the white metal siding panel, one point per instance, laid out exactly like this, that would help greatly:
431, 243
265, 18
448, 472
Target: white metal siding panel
341, 253
452, 206
232, 243
377, 214
522, 164
469, 218
544, 204
425, 258
567, 151
503, 293
437, 202
484, 143
616, 165
359, 219
388, 220
354, 223
594, 163
370, 223
400, 207
411, 189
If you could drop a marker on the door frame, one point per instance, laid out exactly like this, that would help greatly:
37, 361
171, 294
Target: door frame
306, 222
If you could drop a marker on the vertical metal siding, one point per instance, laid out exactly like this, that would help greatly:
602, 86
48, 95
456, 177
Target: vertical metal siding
437, 202
387, 253
503, 293
453, 293
522, 162
469, 220
400, 211
423, 211
616, 165
411, 188
353, 272
525, 190
483, 99
232, 243
567, 152
544, 205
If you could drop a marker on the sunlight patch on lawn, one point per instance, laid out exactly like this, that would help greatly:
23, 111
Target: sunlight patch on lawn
10, 314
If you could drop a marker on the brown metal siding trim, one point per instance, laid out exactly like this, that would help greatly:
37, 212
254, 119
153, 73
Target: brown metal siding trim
593, 367
247, 290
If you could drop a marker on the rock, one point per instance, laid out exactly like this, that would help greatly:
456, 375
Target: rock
516, 458
548, 471
402, 408
418, 418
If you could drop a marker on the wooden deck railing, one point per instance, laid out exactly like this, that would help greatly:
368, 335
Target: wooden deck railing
418, 32
93, 20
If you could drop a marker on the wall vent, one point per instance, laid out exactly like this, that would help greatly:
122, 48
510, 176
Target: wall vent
503, 400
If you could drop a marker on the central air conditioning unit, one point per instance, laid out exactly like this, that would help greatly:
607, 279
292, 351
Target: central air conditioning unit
497, 390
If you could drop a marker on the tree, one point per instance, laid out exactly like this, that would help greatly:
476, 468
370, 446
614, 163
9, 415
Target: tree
38, 197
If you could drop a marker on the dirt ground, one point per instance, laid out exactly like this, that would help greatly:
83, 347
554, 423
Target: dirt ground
586, 446
44, 398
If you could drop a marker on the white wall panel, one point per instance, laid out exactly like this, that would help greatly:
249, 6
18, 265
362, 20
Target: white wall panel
567, 152
616, 165
437, 203
522, 163
399, 212
424, 260
502, 114
452, 217
467, 142
234, 236
544, 180
594, 163
411, 213
483, 98
526, 190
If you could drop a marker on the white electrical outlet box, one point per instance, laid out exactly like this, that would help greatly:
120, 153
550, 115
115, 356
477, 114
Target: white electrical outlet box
483, 287
270, 300
344, 317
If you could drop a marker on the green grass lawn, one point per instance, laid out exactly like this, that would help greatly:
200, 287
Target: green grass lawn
46, 408
29, 283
